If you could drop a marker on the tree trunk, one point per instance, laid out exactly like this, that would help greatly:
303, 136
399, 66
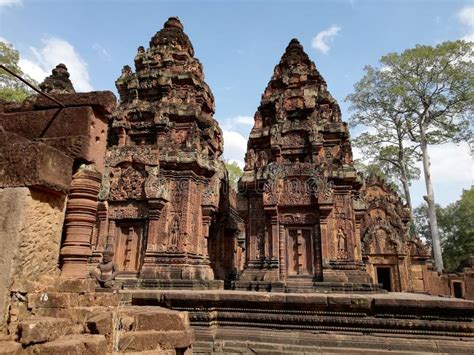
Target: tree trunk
431, 203
404, 178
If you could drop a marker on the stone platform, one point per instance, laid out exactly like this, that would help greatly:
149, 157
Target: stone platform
174, 284
290, 323
306, 286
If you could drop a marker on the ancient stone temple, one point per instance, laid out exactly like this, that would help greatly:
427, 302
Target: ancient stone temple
85, 220
300, 193
393, 258
161, 195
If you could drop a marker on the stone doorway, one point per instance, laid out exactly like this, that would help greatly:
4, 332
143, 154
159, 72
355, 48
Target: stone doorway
299, 251
384, 277
458, 289
128, 247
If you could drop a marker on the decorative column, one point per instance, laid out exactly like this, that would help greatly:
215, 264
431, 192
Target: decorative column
274, 250
79, 223
102, 214
154, 213
207, 216
282, 250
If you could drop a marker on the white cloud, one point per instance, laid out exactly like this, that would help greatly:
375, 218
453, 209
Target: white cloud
103, 54
2, 39
322, 40
55, 51
451, 163
466, 18
33, 69
246, 120
235, 146
6, 3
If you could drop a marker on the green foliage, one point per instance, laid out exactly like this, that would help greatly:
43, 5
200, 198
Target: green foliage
456, 227
235, 172
12, 89
424, 95
434, 89
374, 105
369, 169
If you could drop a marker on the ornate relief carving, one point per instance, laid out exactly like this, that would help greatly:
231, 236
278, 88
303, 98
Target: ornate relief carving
127, 182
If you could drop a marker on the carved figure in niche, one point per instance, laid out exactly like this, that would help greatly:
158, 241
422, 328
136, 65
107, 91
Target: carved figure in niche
174, 234
126, 71
326, 112
249, 160
381, 240
106, 271
179, 137
341, 241
262, 159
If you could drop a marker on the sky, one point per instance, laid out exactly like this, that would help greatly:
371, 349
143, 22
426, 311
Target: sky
239, 43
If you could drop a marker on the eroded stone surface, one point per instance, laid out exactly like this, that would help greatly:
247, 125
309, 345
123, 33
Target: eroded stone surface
58, 82
41, 329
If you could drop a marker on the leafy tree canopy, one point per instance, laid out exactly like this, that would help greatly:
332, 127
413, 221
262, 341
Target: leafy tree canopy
12, 89
235, 172
456, 227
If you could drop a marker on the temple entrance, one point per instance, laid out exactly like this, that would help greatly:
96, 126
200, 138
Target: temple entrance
128, 245
299, 252
384, 277
458, 289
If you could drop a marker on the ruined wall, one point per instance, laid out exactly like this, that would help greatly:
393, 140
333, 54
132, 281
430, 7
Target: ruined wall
29, 241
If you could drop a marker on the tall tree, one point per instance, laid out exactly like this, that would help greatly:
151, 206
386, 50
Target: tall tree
433, 94
375, 105
235, 172
456, 228
11, 89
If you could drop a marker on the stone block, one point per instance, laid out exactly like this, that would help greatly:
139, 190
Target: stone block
101, 323
42, 329
76, 285
33, 164
53, 123
94, 299
48, 300
150, 340
157, 318
30, 236
10, 348
75, 131
71, 345
103, 102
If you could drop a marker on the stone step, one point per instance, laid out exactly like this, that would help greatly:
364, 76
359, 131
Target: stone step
153, 340
41, 329
10, 348
155, 318
76, 344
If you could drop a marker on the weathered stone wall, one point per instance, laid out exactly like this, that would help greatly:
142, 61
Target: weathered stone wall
30, 238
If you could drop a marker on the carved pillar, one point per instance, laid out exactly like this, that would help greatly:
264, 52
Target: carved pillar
102, 212
154, 213
79, 223
275, 240
112, 235
207, 214
282, 249
325, 240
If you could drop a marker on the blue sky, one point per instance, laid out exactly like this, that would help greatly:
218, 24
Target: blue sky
239, 43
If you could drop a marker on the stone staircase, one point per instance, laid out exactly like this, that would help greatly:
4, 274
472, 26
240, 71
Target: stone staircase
49, 335
93, 323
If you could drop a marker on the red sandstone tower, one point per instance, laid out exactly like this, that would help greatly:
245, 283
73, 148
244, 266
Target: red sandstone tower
299, 194
164, 179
